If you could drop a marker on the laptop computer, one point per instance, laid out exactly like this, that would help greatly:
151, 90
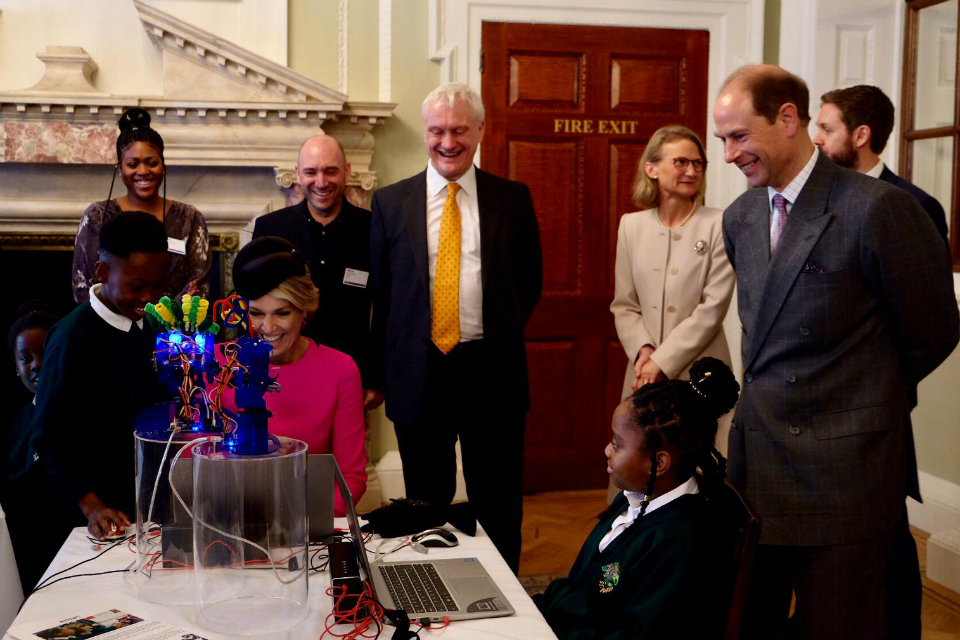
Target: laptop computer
456, 589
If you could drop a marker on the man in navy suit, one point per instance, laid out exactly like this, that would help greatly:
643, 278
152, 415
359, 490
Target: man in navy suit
844, 307
456, 267
852, 129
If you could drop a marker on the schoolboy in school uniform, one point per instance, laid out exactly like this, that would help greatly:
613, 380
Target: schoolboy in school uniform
656, 565
98, 375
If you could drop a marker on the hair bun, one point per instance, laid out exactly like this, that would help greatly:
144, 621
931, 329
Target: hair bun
33, 306
264, 263
713, 380
134, 117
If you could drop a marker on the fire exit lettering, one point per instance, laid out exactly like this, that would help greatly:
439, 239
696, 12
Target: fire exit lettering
611, 127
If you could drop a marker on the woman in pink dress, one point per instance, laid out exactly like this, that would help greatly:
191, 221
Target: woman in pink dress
320, 399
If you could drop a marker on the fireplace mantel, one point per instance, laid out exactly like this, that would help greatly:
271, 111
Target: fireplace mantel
232, 122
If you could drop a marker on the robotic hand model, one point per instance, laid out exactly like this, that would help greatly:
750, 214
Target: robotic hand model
184, 355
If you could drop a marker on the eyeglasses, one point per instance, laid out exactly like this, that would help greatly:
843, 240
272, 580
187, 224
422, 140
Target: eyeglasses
681, 164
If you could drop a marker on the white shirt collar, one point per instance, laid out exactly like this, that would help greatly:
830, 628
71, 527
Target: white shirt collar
792, 191
115, 320
876, 171
437, 183
636, 499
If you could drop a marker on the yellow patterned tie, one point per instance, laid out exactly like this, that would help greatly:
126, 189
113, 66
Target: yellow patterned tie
445, 325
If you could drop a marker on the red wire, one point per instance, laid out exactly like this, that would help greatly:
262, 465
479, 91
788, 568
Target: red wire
446, 623
366, 615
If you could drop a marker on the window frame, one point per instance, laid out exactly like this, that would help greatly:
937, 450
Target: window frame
909, 134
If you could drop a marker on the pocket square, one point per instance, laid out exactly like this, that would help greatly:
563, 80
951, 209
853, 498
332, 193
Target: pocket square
811, 267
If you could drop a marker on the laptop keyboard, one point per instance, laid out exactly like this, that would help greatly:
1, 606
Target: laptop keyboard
417, 588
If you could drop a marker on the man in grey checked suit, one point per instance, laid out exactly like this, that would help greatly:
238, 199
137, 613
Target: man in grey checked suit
844, 306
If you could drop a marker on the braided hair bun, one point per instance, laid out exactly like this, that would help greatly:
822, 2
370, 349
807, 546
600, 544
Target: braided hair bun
714, 382
134, 117
134, 127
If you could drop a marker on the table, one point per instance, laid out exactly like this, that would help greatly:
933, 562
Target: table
10, 592
89, 595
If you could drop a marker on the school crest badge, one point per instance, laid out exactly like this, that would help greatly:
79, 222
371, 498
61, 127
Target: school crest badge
611, 576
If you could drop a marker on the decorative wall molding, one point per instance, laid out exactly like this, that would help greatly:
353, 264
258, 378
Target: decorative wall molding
342, 29
940, 508
437, 34
223, 57
69, 71
856, 55
385, 51
939, 515
798, 33
833, 43
232, 123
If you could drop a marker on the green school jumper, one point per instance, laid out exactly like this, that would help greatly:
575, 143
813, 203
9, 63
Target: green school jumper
666, 576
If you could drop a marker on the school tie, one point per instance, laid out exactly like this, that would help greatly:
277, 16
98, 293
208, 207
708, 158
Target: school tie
779, 220
445, 319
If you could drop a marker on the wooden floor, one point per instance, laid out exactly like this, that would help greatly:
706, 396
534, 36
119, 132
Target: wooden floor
556, 524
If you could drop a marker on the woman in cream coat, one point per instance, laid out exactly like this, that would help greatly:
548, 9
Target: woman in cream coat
673, 279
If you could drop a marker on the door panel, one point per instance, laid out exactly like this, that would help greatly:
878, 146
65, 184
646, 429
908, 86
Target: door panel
569, 112
547, 167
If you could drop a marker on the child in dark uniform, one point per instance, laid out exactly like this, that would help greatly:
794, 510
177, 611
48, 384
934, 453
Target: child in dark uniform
98, 375
23, 483
656, 565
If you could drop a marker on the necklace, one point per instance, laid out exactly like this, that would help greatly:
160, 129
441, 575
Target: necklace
682, 222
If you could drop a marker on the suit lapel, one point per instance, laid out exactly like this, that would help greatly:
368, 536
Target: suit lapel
808, 219
490, 215
415, 217
755, 248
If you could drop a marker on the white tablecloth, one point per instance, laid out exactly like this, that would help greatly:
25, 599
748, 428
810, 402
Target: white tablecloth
90, 595
10, 592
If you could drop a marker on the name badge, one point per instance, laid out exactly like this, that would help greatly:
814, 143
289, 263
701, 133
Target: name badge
177, 246
355, 278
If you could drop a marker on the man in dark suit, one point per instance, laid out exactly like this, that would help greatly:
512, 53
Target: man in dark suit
852, 129
843, 308
334, 237
457, 270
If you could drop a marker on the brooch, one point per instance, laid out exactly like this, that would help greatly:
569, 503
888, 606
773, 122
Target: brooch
700, 247
611, 576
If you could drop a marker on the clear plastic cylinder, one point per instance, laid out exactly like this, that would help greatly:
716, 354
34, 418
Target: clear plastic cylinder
250, 533
164, 541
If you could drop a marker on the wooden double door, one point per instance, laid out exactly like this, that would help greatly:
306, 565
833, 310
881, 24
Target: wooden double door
569, 112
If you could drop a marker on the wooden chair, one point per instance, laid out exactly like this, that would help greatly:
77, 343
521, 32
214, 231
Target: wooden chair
746, 523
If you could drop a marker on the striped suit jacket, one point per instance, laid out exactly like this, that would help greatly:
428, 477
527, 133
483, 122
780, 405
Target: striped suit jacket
852, 309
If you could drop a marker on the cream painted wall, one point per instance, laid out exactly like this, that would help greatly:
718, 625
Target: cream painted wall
110, 31
771, 32
312, 40
936, 422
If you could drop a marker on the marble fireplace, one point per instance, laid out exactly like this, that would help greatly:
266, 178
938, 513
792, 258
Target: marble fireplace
232, 122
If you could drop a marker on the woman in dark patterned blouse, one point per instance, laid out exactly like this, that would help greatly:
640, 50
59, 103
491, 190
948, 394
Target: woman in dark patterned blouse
142, 169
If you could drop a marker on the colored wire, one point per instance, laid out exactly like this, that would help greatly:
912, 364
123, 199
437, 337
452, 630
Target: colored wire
156, 482
209, 526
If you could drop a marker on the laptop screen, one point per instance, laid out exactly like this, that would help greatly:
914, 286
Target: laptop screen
355, 533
